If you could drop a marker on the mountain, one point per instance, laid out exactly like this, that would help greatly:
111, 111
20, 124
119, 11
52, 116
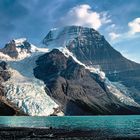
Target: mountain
77, 90
75, 72
91, 48
17, 48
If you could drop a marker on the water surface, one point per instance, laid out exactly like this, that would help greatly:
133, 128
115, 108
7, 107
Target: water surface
118, 126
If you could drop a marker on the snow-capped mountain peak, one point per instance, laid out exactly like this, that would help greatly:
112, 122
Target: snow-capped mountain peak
20, 48
20, 41
90, 49
64, 36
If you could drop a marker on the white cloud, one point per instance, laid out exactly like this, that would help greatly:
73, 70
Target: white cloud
114, 35
111, 28
134, 26
82, 15
112, 25
105, 18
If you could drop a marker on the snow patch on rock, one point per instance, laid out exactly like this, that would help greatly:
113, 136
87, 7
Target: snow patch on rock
59, 37
67, 53
19, 41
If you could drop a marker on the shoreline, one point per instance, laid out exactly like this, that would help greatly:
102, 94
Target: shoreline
23, 133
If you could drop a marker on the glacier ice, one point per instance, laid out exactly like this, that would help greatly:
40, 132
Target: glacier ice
23, 90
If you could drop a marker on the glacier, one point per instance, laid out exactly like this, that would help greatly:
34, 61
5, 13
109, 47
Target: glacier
23, 90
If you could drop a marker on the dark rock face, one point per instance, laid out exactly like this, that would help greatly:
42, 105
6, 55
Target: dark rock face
11, 48
4, 74
5, 109
77, 90
91, 48
97, 51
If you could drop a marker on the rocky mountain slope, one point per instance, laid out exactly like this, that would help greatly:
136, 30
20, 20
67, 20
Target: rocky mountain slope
79, 91
76, 73
91, 48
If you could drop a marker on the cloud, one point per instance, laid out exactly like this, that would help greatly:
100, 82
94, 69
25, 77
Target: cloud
111, 27
131, 33
105, 18
134, 26
83, 15
114, 36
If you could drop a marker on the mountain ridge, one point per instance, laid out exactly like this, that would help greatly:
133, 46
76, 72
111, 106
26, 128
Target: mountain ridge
82, 42
74, 86
94, 51
57, 79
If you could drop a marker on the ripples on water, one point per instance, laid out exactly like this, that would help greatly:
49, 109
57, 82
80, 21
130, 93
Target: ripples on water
128, 126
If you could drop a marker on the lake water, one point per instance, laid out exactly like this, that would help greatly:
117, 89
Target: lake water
128, 126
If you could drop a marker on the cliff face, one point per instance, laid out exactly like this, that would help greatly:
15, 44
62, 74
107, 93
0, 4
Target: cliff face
77, 90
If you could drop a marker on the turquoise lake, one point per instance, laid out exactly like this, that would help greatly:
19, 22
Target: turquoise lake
110, 125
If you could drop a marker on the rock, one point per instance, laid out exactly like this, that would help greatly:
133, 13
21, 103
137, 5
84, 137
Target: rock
77, 90
92, 49
5, 108
15, 47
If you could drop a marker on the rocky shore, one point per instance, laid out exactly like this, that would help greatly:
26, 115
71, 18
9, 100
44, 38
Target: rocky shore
22, 133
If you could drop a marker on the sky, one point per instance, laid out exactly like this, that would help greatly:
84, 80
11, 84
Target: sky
117, 20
